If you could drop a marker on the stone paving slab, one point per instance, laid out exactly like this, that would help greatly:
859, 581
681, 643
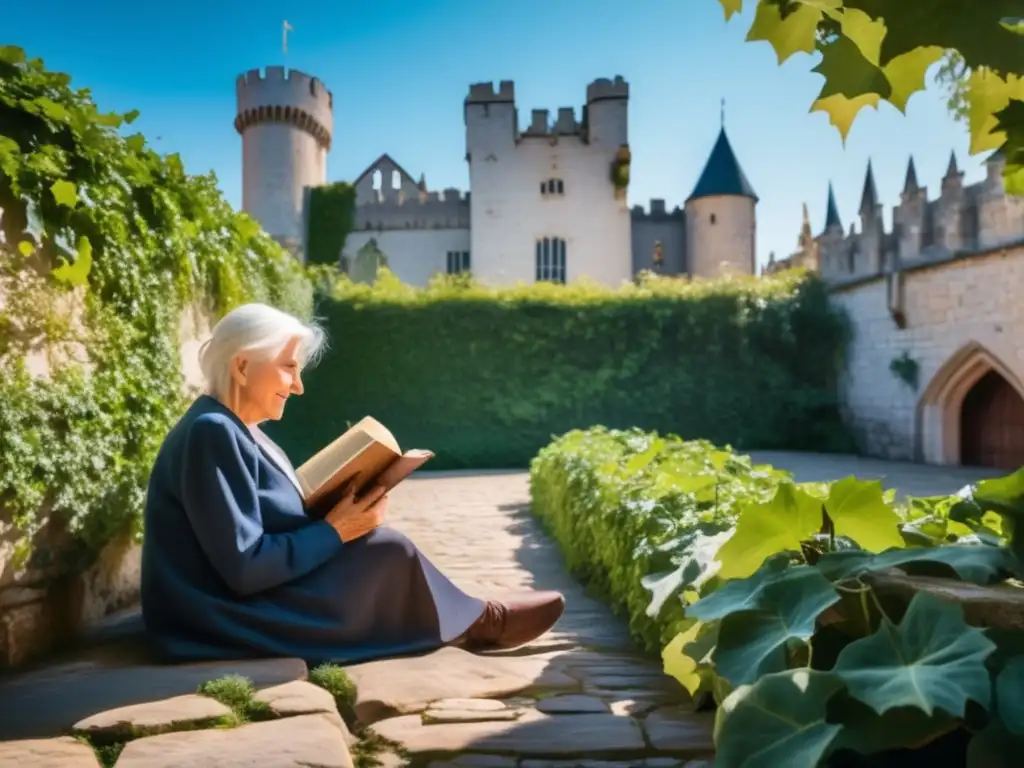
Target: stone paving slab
49, 701
306, 740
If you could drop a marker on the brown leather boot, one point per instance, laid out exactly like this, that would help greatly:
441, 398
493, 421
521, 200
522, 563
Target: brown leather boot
516, 621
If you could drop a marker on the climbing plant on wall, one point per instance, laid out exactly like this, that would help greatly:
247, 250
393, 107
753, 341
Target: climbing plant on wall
880, 50
331, 214
103, 244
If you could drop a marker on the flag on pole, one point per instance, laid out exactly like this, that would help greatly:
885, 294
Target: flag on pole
285, 29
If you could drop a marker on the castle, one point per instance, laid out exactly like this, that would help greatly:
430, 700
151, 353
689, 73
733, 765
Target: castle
935, 368
547, 201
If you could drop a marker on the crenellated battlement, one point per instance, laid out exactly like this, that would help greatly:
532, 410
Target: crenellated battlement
486, 93
603, 88
658, 212
448, 209
961, 219
565, 123
277, 95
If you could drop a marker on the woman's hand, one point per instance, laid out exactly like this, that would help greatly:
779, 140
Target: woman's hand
353, 518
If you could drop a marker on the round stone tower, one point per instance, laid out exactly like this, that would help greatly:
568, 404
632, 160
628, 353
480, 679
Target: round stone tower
286, 122
721, 223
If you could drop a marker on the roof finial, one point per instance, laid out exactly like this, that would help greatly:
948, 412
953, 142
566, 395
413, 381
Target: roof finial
723, 114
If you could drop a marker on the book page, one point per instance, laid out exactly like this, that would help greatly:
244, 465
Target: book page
320, 468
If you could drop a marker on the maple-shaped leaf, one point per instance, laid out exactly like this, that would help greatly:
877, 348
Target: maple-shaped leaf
795, 32
64, 193
849, 63
842, 111
906, 74
987, 94
730, 7
77, 273
973, 28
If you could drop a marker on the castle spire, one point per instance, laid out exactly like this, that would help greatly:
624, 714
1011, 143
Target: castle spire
723, 175
952, 169
832, 212
869, 198
910, 185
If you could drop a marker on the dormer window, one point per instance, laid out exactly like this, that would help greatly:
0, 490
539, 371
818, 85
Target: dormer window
552, 187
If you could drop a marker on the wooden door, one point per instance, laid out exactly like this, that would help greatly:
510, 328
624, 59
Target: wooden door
992, 425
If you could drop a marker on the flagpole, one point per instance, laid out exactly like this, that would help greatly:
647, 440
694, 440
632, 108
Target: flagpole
285, 29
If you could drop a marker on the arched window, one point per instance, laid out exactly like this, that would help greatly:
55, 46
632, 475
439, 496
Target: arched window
552, 187
550, 258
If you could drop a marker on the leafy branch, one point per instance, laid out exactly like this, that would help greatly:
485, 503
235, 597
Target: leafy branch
880, 50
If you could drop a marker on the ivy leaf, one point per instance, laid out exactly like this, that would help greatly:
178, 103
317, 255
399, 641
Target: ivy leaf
848, 73
696, 565
65, 193
136, 142
76, 274
906, 74
730, 7
858, 510
976, 563
931, 660
765, 529
762, 616
842, 111
987, 94
12, 54
1004, 496
973, 29
677, 664
780, 720
795, 32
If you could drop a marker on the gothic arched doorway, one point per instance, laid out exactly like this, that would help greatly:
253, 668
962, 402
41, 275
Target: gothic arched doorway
992, 424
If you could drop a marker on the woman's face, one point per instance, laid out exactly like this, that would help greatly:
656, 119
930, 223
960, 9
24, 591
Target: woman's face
266, 385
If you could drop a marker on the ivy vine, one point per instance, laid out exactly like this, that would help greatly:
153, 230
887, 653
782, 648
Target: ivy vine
331, 216
103, 245
906, 369
620, 169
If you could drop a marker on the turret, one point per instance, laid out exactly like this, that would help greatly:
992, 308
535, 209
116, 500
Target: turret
286, 123
721, 223
607, 112
871, 225
910, 218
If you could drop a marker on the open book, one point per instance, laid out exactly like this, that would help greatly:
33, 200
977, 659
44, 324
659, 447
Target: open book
365, 456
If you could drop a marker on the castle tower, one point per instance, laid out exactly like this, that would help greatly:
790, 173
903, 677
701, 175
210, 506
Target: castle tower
721, 221
286, 123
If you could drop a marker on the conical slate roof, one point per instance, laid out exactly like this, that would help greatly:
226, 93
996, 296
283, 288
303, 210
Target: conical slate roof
722, 175
869, 198
910, 184
832, 212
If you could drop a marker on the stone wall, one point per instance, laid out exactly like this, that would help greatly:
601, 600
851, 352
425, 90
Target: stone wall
43, 603
961, 318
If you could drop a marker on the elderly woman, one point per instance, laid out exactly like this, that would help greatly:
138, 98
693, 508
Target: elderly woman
233, 567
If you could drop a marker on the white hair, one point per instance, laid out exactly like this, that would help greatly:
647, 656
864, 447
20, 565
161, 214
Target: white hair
259, 332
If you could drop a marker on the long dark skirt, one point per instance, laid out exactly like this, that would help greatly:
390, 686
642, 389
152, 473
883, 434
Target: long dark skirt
379, 597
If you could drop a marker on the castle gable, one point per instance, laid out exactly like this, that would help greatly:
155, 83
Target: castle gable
385, 181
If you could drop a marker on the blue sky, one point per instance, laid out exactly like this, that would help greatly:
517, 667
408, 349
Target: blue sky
399, 70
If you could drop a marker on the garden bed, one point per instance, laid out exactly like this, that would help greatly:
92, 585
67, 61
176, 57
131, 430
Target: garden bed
825, 620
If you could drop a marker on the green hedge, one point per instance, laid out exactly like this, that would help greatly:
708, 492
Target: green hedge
622, 503
104, 242
485, 377
763, 593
